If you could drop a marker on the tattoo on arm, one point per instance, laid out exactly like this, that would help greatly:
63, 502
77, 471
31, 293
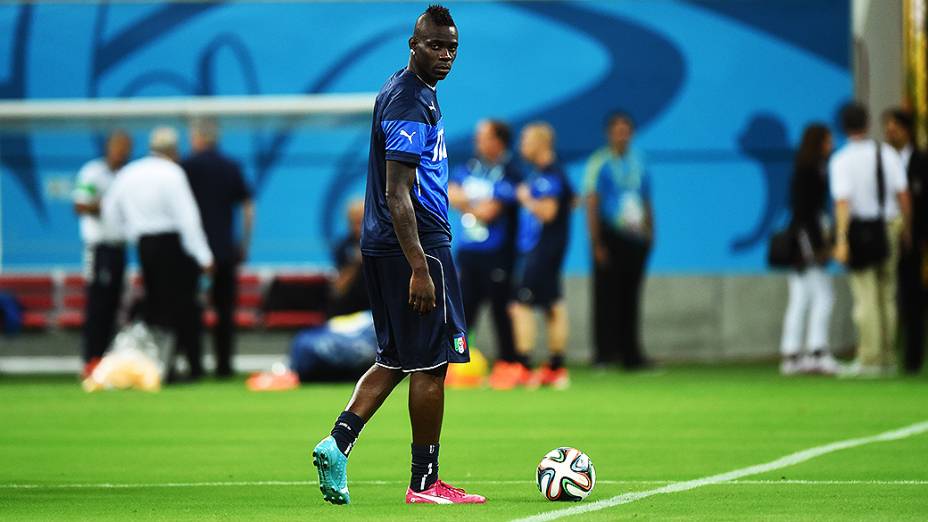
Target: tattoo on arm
400, 180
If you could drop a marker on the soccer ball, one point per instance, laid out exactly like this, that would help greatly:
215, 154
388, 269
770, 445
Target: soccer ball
565, 474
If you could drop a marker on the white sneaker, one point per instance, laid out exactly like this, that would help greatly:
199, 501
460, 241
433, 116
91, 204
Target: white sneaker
857, 371
808, 364
791, 366
826, 364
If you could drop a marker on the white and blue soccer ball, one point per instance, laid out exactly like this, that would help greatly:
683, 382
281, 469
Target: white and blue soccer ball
565, 474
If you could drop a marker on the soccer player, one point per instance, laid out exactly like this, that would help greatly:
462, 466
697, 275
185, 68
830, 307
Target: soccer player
484, 191
547, 199
410, 275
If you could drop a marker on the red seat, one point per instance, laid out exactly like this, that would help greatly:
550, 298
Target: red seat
244, 319
304, 279
26, 283
249, 300
248, 280
74, 282
289, 319
76, 301
36, 302
35, 321
71, 320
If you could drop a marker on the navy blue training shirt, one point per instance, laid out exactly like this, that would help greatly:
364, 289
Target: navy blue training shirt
408, 128
547, 241
481, 182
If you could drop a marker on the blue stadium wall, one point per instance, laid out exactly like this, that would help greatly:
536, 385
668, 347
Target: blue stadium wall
721, 91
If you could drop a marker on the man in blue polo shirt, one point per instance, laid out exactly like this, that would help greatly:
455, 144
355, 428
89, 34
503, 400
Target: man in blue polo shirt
484, 191
621, 224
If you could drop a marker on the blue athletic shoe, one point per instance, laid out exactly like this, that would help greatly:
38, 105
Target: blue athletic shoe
332, 466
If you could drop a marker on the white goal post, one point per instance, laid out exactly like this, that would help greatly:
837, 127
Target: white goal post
63, 112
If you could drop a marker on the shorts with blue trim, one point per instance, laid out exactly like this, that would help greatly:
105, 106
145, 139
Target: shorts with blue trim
406, 340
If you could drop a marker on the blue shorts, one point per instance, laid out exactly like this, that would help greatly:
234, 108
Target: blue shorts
538, 282
407, 340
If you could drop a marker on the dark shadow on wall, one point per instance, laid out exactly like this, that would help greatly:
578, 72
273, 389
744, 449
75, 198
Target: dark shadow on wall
631, 82
765, 140
16, 148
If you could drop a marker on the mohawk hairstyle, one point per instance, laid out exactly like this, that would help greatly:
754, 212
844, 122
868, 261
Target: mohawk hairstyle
439, 15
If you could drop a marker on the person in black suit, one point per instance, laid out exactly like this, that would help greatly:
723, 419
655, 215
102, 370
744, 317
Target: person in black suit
898, 125
219, 188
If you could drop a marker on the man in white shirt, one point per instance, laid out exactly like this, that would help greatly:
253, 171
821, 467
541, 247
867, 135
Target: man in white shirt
151, 202
104, 257
854, 187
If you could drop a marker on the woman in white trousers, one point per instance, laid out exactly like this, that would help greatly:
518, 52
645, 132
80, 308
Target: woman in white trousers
805, 346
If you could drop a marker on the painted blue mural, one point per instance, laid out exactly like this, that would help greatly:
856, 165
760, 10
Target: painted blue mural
720, 89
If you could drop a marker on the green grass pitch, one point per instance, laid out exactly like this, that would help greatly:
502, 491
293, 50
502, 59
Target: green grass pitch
217, 452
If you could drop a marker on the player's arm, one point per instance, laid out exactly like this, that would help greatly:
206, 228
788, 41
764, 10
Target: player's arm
842, 224
600, 254
544, 208
92, 209
85, 197
487, 211
457, 197
400, 180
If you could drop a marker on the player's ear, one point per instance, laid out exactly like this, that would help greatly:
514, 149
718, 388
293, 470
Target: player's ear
412, 44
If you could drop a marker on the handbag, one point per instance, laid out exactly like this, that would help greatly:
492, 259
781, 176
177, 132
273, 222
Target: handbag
782, 249
867, 239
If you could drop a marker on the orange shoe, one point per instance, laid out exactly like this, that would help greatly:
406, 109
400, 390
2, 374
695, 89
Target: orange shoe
505, 375
523, 375
497, 379
89, 367
558, 379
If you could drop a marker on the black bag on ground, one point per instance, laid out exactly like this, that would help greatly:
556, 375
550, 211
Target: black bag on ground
866, 238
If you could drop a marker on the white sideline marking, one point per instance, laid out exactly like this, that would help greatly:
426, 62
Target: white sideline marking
56, 364
105, 485
782, 462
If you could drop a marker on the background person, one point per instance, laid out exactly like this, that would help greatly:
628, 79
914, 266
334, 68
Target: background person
349, 294
220, 189
899, 133
484, 191
104, 254
151, 202
547, 199
810, 291
621, 224
854, 188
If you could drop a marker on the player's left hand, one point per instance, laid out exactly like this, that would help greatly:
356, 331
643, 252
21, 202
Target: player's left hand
421, 292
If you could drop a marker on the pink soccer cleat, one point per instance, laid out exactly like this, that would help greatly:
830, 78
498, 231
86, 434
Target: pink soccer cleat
442, 493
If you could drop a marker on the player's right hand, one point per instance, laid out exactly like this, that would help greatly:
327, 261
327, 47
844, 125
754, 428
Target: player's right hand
421, 292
